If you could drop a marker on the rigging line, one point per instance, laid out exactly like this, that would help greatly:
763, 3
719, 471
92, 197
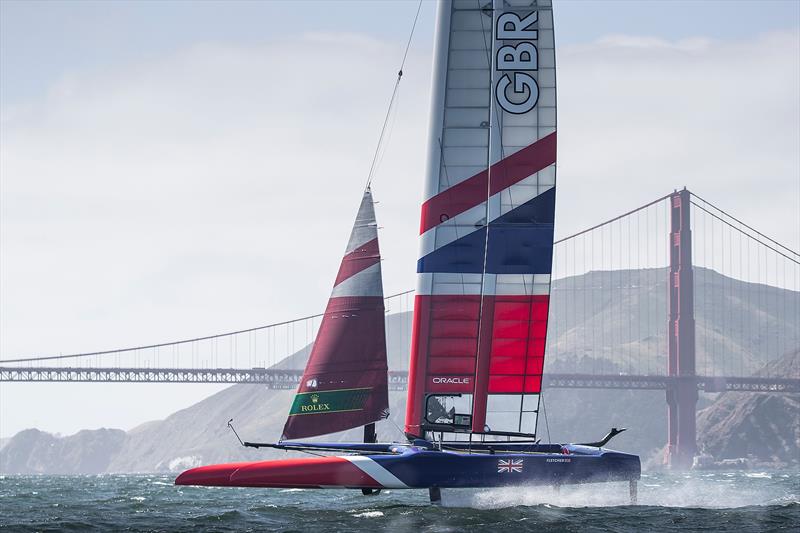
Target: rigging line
449, 192
392, 99
743, 224
391, 127
793, 260
402, 433
544, 412
175, 343
478, 358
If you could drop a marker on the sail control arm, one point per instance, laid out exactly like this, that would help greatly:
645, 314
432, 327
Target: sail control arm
611, 434
371, 448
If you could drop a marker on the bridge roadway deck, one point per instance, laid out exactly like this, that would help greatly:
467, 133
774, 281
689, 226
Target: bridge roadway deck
289, 379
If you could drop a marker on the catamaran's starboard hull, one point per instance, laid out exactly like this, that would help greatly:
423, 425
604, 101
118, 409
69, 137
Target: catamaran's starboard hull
421, 469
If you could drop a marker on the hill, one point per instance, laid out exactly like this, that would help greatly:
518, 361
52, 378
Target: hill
762, 426
35, 452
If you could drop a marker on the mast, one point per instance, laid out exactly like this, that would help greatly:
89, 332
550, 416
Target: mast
486, 231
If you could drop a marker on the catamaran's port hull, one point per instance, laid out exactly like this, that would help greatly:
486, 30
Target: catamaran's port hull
421, 469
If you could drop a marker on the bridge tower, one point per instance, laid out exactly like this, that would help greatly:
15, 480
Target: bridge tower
682, 391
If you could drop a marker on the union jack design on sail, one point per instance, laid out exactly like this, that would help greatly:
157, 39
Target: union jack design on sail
509, 466
486, 231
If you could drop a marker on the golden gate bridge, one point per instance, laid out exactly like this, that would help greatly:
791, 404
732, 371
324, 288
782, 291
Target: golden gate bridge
676, 295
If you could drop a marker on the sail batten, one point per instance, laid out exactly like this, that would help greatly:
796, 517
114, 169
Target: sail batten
345, 383
486, 225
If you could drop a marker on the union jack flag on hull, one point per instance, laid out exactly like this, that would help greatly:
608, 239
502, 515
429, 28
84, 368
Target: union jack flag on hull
509, 465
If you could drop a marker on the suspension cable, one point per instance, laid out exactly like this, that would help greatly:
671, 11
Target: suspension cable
773, 241
587, 230
722, 220
175, 343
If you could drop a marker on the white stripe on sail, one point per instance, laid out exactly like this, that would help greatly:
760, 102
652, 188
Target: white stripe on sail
364, 283
456, 227
429, 283
474, 219
365, 228
453, 283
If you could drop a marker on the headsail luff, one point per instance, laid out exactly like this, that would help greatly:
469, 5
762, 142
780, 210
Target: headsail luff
345, 381
486, 232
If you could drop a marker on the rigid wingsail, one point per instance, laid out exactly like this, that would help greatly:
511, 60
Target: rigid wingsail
482, 298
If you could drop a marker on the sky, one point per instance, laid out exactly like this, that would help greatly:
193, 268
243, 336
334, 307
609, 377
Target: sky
176, 169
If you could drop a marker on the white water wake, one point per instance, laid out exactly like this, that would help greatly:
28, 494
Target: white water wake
690, 490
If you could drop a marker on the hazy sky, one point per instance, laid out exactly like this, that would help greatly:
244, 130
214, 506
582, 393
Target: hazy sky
169, 170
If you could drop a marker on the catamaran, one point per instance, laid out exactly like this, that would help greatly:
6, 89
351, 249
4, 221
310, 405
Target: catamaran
482, 298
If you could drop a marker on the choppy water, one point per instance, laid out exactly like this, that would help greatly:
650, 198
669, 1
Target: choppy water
746, 501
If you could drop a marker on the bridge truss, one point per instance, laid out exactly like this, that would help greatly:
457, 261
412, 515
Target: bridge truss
398, 381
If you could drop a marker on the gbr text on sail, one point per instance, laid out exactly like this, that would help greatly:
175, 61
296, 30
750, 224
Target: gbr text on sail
516, 90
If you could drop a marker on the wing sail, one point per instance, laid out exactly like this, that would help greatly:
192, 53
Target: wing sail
486, 231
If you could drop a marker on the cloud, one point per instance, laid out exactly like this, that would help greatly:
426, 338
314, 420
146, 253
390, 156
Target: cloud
640, 116
218, 170
214, 188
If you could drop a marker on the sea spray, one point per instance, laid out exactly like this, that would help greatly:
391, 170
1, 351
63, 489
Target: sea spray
722, 490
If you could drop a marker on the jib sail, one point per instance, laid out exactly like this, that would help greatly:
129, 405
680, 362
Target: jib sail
345, 381
486, 231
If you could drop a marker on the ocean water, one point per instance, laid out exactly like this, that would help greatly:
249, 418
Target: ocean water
710, 501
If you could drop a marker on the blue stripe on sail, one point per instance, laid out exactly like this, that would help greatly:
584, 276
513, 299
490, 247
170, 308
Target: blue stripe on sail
464, 255
520, 242
538, 210
520, 249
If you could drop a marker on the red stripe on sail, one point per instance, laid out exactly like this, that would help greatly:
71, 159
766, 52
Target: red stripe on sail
482, 371
473, 191
417, 369
444, 337
448, 357
359, 259
511, 361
